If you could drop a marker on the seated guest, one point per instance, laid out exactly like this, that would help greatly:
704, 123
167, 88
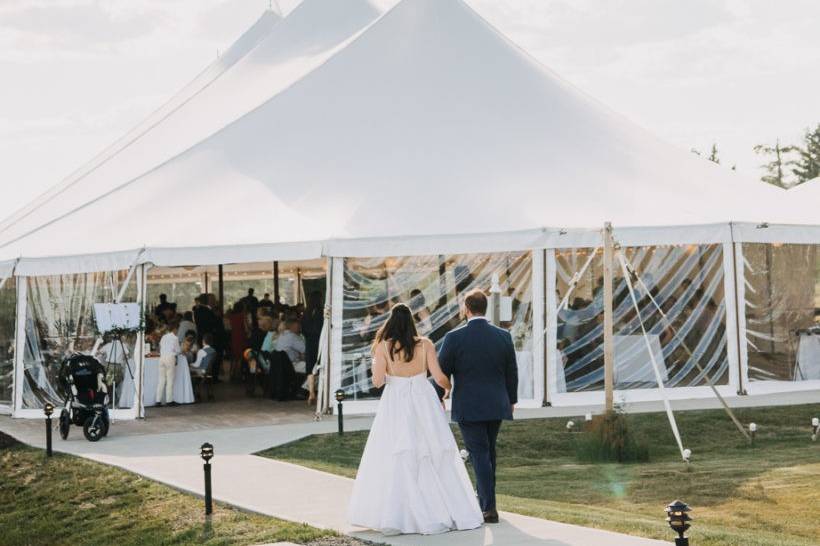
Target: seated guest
186, 326
204, 357
293, 344
188, 347
271, 326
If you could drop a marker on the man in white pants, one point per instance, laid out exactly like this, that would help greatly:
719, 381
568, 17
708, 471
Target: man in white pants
168, 350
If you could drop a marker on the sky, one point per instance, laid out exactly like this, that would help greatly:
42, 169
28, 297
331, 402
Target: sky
77, 74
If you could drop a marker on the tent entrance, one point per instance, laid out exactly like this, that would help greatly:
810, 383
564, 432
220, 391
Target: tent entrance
233, 324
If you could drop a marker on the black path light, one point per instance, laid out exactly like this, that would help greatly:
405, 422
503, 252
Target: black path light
677, 515
207, 453
340, 397
752, 433
48, 409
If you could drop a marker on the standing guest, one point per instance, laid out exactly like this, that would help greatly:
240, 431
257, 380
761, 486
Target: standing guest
266, 301
250, 301
239, 335
424, 320
168, 350
186, 326
312, 322
159, 310
293, 344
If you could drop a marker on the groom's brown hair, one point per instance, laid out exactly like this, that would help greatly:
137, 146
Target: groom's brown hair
476, 302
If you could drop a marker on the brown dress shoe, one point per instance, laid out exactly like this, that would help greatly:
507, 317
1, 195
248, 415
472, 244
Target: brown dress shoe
490, 516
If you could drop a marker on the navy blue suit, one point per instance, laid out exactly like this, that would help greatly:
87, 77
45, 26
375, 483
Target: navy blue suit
481, 360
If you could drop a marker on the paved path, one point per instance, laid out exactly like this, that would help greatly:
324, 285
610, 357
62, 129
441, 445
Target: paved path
285, 490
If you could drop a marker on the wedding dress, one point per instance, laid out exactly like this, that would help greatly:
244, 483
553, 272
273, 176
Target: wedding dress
411, 478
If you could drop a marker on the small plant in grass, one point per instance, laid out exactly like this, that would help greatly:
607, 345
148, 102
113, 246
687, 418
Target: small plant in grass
608, 438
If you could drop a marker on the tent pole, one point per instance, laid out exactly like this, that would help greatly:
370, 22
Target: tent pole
609, 353
276, 282
298, 286
221, 292
741, 334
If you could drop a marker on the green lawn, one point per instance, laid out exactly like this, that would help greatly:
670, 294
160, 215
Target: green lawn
768, 494
66, 500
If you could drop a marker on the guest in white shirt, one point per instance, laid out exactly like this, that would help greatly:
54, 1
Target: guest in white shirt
168, 350
186, 325
293, 344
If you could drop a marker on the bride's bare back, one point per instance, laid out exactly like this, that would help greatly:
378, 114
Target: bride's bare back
424, 358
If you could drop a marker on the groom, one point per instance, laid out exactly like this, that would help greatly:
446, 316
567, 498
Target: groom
481, 359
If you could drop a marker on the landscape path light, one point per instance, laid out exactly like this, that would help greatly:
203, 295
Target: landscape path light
677, 516
48, 409
752, 433
570, 426
815, 428
340, 398
206, 451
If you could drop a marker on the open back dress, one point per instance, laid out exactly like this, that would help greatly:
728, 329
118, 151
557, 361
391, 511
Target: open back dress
411, 478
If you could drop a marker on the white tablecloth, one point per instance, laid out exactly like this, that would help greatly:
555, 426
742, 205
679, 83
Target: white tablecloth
183, 389
808, 357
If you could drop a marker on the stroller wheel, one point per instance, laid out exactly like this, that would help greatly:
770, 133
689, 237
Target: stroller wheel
93, 428
65, 424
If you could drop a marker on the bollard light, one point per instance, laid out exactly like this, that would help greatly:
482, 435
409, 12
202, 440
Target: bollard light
340, 397
815, 428
570, 426
752, 432
677, 516
206, 451
48, 409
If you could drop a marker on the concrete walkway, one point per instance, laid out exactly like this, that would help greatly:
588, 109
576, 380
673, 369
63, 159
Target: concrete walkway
285, 490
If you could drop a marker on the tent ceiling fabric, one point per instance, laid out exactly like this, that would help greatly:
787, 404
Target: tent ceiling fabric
361, 127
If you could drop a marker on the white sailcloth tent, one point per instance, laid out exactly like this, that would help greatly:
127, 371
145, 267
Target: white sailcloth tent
369, 129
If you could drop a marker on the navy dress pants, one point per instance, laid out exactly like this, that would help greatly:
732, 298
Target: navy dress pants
479, 438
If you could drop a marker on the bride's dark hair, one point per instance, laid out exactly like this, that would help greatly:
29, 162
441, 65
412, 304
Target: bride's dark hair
399, 331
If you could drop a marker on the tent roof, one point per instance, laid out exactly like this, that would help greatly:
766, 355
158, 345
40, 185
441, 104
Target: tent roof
424, 123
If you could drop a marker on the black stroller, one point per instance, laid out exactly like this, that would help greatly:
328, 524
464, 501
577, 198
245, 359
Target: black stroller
86, 397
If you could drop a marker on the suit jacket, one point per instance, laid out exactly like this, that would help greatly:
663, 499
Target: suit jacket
480, 358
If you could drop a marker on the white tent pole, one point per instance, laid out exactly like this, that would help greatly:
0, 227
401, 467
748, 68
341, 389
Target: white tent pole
739, 297
609, 326
20, 345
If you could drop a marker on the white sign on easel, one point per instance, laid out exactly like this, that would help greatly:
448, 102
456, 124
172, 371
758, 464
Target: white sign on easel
117, 316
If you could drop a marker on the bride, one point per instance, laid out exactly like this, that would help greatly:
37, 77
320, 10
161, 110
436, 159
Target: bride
411, 478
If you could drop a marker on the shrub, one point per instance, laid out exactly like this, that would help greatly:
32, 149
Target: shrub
608, 438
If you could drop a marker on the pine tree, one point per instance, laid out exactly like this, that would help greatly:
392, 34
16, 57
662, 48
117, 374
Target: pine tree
713, 155
807, 164
774, 168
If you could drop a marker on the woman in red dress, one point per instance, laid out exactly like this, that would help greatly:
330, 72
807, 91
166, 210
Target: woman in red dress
239, 337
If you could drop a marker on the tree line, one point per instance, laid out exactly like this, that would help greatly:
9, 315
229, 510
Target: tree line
787, 165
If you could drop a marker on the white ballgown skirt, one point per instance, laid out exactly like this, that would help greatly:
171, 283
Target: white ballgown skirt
411, 478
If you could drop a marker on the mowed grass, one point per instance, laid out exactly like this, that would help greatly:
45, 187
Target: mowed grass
66, 500
768, 494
